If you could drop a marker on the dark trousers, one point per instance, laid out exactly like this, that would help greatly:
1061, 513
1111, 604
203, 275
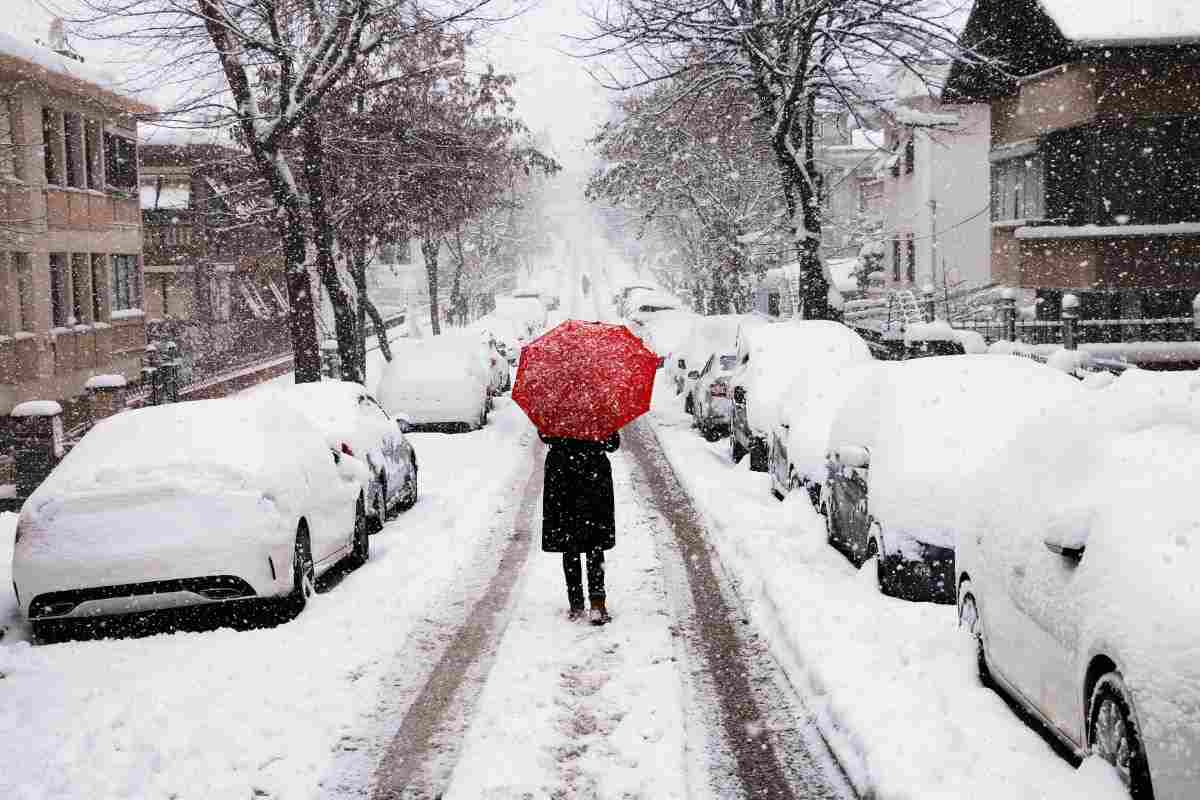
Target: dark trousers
595, 577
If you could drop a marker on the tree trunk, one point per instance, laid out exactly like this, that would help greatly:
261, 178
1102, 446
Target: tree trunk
385, 347
358, 274
339, 299
429, 249
302, 322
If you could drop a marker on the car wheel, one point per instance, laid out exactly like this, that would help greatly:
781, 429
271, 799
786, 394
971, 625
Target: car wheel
711, 433
736, 451
1113, 735
828, 512
408, 495
885, 572
688, 405
969, 621
758, 457
304, 576
360, 543
380, 505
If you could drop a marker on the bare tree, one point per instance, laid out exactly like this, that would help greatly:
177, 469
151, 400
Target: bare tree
795, 57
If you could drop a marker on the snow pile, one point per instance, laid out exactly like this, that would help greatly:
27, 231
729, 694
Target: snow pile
939, 422
105, 382
36, 408
937, 331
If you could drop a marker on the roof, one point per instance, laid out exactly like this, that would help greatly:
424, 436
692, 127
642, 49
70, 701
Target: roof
28, 59
1127, 21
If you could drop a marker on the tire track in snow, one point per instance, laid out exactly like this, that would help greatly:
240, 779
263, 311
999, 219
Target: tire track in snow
421, 755
773, 743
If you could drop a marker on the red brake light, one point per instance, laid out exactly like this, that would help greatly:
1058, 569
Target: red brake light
346, 449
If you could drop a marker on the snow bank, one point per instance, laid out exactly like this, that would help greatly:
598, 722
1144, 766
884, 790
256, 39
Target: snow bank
36, 408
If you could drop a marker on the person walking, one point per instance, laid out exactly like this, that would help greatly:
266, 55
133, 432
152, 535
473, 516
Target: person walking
578, 516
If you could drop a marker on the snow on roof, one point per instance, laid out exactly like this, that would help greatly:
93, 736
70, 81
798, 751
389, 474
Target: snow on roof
911, 116
171, 197
1125, 21
19, 52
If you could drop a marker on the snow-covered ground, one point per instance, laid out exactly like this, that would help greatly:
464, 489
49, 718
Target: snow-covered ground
893, 683
259, 713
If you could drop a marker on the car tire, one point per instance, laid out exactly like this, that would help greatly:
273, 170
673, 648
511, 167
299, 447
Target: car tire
736, 451
689, 407
759, 457
970, 621
304, 576
382, 513
711, 433
826, 510
408, 494
360, 540
1111, 727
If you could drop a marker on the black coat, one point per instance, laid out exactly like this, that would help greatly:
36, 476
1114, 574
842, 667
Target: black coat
577, 499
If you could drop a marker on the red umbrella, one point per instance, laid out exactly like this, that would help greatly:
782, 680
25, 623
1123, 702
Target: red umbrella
584, 380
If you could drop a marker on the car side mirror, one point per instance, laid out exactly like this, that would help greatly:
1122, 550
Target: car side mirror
682, 363
853, 455
694, 374
404, 424
1070, 550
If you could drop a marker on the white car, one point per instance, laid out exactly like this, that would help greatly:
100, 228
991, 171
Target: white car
1078, 577
437, 384
355, 425
768, 359
212, 501
708, 399
909, 443
706, 335
644, 305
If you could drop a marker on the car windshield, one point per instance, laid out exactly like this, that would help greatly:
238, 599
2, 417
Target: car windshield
789, 399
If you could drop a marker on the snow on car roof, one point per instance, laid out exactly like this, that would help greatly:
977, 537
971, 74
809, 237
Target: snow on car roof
1128, 22
203, 445
941, 420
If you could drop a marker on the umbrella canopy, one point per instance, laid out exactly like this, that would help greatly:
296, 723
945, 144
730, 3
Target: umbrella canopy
584, 380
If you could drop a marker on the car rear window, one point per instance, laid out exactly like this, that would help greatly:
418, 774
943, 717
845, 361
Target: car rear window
728, 362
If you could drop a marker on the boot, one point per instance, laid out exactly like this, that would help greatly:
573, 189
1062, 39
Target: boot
575, 613
599, 613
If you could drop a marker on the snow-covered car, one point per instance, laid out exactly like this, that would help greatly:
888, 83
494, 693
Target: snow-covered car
768, 360
505, 334
526, 312
707, 335
1078, 577
439, 383
623, 292
796, 457
211, 501
667, 332
908, 443
708, 399
644, 305
354, 424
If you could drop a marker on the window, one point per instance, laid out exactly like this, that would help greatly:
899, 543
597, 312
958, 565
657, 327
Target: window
93, 146
911, 246
80, 274
896, 260
59, 302
8, 160
52, 141
99, 287
120, 161
166, 282
910, 154
126, 284
1017, 188
75, 164
23, 267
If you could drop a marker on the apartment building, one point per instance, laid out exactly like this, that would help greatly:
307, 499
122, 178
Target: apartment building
71, 283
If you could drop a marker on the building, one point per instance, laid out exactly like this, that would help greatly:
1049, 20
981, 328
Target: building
845, 161
1095, 153
71, 283
931, 189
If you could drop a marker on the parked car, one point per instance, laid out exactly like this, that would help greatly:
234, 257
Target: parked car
708, 399
1078, 578
907, 444
644, 305
769, 358
354, 424
438, 384
212, 501
796, 457
706, 335
621, 296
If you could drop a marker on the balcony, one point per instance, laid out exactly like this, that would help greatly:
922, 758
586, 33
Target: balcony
85, 208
